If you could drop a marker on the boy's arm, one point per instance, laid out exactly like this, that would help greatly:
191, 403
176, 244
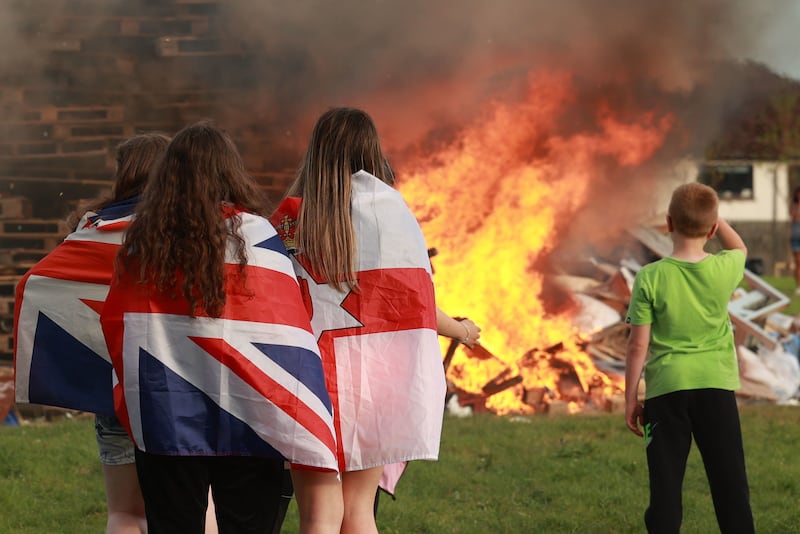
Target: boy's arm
728, 237
635, 356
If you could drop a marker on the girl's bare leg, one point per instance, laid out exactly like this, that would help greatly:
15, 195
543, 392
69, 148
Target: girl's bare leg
359, 489
124, 500
319, 500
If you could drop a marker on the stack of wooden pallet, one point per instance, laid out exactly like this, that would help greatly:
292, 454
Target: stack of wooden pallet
23, 241
90, 73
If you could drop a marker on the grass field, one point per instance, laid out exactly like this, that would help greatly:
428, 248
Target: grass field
582, 473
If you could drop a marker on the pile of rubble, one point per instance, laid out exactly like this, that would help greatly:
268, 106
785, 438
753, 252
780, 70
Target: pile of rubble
767, 340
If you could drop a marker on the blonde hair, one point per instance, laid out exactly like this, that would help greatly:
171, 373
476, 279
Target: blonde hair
344, 141
693, 209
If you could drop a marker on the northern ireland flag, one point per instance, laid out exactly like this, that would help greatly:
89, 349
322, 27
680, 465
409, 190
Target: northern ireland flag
249, 382
60, 355
379, 345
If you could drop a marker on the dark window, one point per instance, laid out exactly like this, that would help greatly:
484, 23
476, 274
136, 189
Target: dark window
729, 181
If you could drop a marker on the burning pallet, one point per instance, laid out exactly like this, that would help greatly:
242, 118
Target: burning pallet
562, 391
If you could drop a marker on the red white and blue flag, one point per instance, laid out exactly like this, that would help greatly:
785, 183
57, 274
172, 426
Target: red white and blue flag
249, 382
379, 345
60, 354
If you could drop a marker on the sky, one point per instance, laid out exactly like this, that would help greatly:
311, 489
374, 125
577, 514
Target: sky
776, 41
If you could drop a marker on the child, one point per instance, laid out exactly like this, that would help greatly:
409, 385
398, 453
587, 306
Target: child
679, 318
74, 381
220, 377
794, 236
361, 256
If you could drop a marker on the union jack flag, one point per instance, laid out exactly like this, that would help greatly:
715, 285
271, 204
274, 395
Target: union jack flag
379, 344
60, 355
249, 382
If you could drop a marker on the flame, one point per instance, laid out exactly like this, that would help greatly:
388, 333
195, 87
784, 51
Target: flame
493, 202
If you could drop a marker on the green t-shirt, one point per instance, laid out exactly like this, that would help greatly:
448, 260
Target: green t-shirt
686, 304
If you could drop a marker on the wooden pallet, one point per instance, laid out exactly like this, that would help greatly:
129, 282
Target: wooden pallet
126, 25
53, 165
61, 44
178, 45
14, 207
8, 285
31, 240
91, 146
57, 227
6, 343
6, 310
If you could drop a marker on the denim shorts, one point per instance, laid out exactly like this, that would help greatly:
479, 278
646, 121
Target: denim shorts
113, 443
795, 236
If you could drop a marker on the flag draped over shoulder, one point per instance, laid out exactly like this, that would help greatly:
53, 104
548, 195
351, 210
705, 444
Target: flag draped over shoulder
60, 356
249, 382
379, 345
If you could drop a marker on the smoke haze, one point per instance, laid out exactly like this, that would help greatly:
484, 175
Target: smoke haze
423, 69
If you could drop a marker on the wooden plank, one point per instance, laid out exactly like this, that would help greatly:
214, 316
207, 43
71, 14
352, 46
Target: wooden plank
173, 46
44, 242
7, 343
654, 239
6, 391
33, 227
69, 179
13, 207
84, 130
82, 114
12, 256
8, 285
6, 310
65, 44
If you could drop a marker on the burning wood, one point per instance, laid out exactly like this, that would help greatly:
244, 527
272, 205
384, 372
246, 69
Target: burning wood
501, 382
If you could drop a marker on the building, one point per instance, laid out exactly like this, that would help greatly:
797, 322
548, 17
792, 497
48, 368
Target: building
754, 198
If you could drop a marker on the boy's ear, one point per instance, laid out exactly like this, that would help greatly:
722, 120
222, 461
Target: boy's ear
713, 230
669, 224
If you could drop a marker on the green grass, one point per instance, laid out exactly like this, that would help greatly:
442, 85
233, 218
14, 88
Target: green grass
785, 285
584, 473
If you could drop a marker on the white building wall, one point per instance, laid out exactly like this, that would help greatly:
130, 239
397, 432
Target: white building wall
770, 200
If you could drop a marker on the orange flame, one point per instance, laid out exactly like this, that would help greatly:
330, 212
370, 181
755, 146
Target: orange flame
491, 202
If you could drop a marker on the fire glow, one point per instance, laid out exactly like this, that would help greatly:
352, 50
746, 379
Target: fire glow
493, 202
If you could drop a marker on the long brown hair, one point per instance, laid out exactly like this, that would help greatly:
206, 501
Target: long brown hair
135, 158
180, 233
344, 141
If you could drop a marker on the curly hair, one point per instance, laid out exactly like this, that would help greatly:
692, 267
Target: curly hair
180, 235
344, 141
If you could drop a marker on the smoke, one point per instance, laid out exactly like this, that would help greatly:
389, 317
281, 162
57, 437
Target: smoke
423, 69
418, 65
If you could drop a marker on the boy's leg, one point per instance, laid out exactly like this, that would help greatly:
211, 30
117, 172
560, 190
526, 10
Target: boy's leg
668, 440
719, 439
247, 493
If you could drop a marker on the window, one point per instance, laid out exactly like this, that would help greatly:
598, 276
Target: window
729, 181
